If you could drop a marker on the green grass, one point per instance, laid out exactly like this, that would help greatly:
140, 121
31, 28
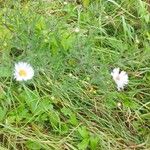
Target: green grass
72, 101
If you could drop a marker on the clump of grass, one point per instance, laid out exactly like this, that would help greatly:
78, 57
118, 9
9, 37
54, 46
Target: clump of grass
72, 102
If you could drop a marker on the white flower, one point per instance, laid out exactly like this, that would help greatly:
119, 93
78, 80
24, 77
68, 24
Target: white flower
65, 3
119, 104
23, 71
76, 30
72, 76
120, 78
52, 97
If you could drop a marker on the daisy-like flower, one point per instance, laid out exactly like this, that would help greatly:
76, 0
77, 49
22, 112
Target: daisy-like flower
120, 78
23, 71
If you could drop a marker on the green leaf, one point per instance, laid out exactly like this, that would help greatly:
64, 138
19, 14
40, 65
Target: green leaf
128, 102
66, 111
54, 119
32, 100
2, 113
83, 132
86, 3
64, 128
5, 71
44, 105
2, 93
33, 145
73, 120
146, 116
21, 113
67, 40
84, 144
93, 142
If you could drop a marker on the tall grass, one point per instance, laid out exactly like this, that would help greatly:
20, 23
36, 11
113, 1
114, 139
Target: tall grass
72, 102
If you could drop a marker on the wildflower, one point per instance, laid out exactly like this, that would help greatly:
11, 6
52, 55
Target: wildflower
137, 41
76, 30
120, 78
65, 3
107, 17
52, 97
88, 78
48, 83
119, 105
72, 76
23, 71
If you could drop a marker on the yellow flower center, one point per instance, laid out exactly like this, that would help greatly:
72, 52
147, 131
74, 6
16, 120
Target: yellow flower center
22, 73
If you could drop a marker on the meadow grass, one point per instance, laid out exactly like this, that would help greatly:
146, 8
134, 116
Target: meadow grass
72, 102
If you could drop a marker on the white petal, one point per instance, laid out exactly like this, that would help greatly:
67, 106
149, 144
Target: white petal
27, 68
115, 72
121, 79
